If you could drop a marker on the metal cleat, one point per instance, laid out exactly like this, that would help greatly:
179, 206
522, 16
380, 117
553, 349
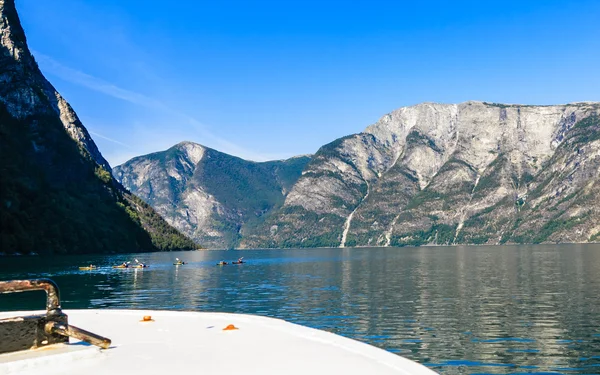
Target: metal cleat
35, 331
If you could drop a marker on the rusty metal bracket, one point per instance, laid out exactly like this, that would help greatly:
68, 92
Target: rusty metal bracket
34, 331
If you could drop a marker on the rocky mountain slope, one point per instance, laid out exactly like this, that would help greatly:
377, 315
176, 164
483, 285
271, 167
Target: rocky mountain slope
472, 173
57, 194
211, 196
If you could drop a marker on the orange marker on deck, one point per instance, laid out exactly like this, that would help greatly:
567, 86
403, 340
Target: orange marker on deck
230, 327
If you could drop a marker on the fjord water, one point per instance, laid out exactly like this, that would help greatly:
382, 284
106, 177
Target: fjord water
500, 309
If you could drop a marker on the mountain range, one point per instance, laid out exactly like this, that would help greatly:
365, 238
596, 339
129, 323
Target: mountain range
469, 173
57, 194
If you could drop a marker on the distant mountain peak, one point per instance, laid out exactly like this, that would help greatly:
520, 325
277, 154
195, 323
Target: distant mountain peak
187, 143
194, 151
215, 199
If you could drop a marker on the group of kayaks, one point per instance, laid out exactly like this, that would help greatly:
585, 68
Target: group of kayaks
224, 263
138, 264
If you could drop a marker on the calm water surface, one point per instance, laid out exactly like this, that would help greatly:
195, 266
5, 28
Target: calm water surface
467, 310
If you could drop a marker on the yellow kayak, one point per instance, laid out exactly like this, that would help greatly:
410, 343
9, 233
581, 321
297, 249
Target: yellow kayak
178, 263
88, 268
140, 266
121, 266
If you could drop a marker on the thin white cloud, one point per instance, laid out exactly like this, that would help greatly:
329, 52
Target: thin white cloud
109, 139
83, 79
209, 139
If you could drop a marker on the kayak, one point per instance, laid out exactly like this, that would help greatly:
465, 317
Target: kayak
88, 268
139, 266
238, 262
222, 264
120, 266
178, 263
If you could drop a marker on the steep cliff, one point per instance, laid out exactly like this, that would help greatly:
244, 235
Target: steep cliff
211, 196
473, 173
56, 193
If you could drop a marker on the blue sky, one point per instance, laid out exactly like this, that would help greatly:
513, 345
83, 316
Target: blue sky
272, 79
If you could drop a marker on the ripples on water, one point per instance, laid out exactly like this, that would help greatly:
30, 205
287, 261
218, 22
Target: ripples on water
521, 309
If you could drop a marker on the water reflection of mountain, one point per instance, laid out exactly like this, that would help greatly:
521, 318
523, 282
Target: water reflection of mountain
460, 309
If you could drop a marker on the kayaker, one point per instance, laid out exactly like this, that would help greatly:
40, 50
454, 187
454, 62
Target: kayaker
125, 264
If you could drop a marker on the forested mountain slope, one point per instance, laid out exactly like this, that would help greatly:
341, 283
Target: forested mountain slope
57, 194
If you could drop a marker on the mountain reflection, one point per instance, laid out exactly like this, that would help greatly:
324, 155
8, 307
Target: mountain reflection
458, 309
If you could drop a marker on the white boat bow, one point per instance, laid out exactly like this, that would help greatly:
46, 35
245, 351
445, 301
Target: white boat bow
196, 343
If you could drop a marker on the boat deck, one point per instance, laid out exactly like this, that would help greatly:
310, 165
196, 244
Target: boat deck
195, 343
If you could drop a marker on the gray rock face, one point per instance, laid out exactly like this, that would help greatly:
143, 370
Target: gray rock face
445, 174
25, 91
211, 196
